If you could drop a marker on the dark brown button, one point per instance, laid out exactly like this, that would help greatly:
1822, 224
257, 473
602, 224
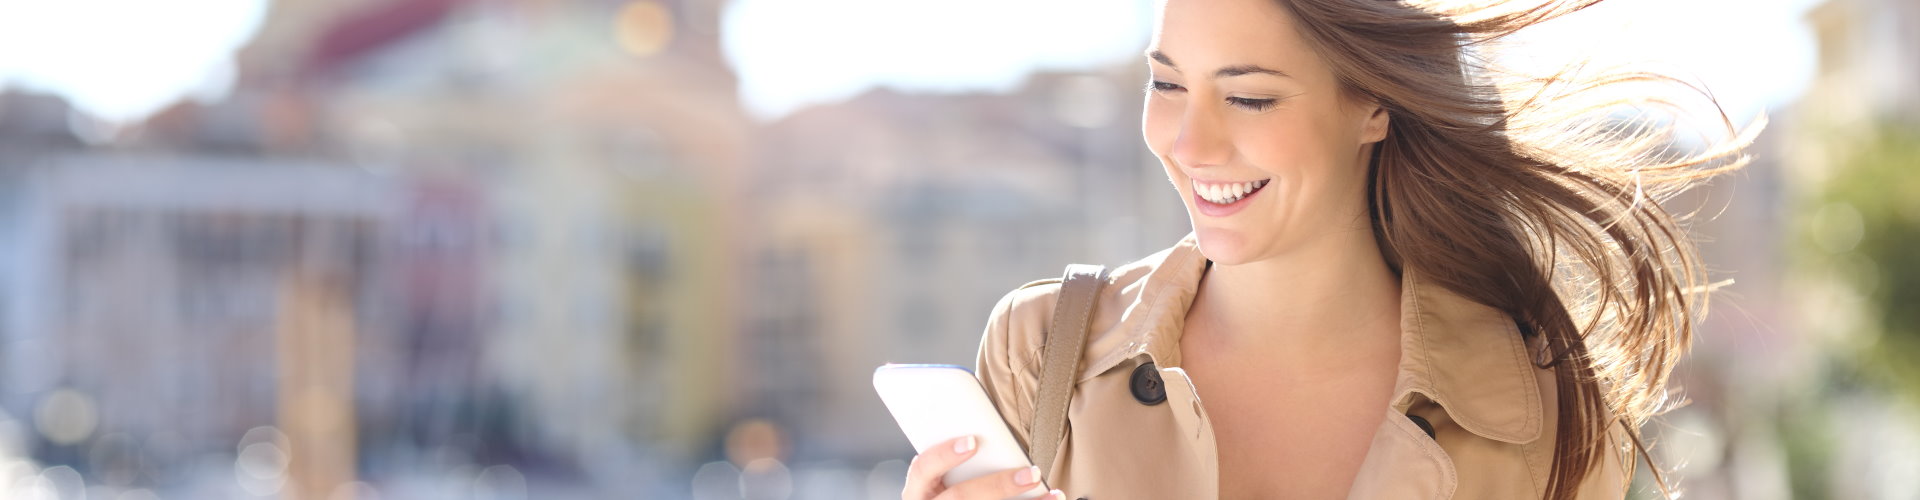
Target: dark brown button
1423, 423
1146, 385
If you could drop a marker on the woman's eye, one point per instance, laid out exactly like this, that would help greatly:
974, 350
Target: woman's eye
1160, 86
1251, 104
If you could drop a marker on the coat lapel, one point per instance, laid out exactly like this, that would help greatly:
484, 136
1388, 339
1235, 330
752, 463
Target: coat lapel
1467, 357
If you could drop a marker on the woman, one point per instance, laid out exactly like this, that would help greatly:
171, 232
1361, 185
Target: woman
1399, 284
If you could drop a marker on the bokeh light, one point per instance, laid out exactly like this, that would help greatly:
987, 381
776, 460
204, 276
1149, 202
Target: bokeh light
643, 28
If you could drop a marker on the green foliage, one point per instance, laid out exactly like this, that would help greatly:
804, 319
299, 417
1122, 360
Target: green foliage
1808, 447
1876, 193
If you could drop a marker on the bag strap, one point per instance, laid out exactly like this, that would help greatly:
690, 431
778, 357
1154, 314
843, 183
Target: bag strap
1060, 360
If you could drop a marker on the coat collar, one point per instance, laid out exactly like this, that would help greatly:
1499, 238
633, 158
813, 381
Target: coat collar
1466, 356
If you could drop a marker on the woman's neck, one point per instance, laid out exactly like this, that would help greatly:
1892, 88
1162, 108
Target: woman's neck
1317, 299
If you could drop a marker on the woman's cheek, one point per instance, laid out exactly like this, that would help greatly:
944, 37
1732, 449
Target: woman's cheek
1160, 125
1162, 128
1278, 142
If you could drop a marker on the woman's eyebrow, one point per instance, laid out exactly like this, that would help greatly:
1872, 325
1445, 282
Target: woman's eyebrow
1229, 71
1157, 56
1248, 69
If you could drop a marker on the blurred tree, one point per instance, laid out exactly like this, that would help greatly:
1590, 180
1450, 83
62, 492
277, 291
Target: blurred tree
1858, 228
1868, 225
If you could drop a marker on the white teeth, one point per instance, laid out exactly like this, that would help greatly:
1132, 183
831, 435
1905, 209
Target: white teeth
1226, 193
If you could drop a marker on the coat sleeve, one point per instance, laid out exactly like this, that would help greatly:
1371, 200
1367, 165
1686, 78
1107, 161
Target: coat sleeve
1008, 360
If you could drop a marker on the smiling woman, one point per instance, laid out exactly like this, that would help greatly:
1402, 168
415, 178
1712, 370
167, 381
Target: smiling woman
1405, 279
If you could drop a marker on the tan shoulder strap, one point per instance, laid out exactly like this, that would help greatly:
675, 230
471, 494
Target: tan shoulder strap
1060, 360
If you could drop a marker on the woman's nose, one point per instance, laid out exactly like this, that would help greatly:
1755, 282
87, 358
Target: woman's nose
1203, 141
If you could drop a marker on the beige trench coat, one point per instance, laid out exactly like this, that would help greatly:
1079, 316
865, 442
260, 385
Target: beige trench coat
1464, 370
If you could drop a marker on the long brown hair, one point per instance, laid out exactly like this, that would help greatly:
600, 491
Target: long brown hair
1537, 196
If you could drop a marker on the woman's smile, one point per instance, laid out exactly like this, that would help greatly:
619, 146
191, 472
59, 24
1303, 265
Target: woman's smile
1220, 199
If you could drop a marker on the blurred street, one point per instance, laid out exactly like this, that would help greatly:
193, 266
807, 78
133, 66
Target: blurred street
520, 249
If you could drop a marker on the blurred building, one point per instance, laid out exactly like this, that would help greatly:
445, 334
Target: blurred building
1868, 49
601, 140
146, 299
890, 224
526, 200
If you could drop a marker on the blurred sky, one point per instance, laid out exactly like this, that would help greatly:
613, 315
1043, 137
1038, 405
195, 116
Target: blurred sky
121, 60
143, 55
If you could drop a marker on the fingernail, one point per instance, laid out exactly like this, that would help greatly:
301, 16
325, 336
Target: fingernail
964, 445
1056, 495
1027, 476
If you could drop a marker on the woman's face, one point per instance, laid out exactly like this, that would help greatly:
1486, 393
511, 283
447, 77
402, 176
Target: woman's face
1254, 131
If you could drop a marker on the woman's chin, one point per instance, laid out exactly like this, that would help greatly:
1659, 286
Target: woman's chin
1224, 246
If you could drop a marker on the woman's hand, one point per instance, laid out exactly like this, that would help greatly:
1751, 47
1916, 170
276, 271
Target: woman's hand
925, 473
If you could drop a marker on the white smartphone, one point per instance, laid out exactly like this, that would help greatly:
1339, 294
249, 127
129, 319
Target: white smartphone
935, 403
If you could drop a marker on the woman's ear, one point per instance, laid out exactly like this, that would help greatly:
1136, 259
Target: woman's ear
1374, 129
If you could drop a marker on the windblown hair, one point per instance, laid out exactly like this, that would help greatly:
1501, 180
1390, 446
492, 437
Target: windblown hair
1538, 195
